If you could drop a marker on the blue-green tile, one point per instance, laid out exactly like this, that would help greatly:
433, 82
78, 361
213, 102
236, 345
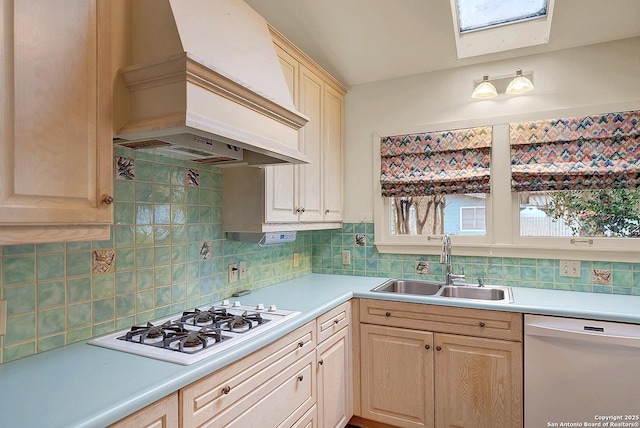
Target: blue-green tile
79, 289
51, 266
79, 263
9, 250
52, 342
51, 294
103, 286
144, 300
55, 247
12, 353
124, 236
125, 305
103, 310
124, 191
20, 328
144, 192
18, 269
144, 279
51, 321
125, 259
162, 275
144, 235
20, 299
79, 315
124, 213
145, 257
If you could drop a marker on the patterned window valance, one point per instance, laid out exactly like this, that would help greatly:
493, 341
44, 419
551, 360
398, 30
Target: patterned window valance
450, 162
592, 152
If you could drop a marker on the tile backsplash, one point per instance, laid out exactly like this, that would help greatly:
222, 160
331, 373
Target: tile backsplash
599, 277
167, 253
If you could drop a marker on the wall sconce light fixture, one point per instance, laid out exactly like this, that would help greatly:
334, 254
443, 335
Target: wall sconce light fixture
484, 90
509, 85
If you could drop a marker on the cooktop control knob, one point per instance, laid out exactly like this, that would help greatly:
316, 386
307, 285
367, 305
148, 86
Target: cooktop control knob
259, 307
225, 302
272, 308
236, 304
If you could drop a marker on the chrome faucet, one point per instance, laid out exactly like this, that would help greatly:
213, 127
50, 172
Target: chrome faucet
445, 259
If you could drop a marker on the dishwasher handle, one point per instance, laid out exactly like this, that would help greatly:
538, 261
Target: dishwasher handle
585, 336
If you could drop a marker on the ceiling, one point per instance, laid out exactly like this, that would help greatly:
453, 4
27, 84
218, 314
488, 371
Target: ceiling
360, 41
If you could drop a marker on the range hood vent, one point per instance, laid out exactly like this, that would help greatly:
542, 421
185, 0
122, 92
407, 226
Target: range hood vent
206, 80
262, 239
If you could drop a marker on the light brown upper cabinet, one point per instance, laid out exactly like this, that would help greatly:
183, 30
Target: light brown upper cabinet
55, 141
300, 197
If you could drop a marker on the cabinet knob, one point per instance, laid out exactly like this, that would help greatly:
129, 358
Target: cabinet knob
388, 314
321, 362
481, 324
326, 211
298, 210
427, 347
336, 321
438, 348
108, 199
300, 344
226, 390
302, 209
300, 378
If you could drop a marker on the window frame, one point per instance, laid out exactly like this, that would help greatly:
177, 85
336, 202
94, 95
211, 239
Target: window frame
502, 238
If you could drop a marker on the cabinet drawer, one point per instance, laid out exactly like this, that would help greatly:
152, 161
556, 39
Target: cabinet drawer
333, 321
470, 322
235, 391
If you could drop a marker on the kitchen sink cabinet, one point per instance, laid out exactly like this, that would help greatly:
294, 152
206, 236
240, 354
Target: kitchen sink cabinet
440, 366
275, 386
55, 127
334, 367
161, 414
300, 197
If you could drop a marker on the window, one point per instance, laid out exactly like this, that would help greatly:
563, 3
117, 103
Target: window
480, 14
532, 211
473, 219
578, 176
424, 176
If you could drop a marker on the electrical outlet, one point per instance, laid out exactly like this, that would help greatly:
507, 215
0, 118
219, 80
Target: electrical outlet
346, 257
3, 317
296, 260
570, 268
243, 270
233, 273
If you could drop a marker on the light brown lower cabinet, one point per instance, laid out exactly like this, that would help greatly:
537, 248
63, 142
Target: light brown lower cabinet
161, 414
415, 373
273, 387
335, 396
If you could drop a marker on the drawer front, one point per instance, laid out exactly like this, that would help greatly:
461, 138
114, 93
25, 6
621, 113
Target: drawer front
161, 414
470, 322
234, 389
333, 321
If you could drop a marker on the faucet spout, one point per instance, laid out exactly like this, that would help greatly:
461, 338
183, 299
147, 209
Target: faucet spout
445, 258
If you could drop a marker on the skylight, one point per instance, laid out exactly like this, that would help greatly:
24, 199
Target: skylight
480, 14
487, 26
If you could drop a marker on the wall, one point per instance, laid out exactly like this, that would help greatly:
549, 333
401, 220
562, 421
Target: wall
167, 253
594, 79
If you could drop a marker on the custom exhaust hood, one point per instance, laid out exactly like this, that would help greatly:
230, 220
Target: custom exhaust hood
206, 85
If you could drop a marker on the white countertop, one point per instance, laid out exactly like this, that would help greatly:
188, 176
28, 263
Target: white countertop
87, 386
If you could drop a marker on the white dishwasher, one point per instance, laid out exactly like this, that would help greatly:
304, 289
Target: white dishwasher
581, 373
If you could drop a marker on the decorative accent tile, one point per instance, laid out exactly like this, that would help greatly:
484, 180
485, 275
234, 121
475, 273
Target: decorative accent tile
125, 168
422, 267
601, 276
206, 251
103, 261
192, 177
360, 239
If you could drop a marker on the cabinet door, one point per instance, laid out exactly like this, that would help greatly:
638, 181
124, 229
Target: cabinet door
478, 382
161, 414
310, 180
332, 154
396, 375
334, 381
55, 126
280, 188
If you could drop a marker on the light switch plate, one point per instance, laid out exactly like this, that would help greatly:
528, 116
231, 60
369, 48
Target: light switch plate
346, 257
3, 317
570, 268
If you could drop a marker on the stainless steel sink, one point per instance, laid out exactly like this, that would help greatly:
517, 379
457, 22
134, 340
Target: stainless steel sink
409, 286
493, 293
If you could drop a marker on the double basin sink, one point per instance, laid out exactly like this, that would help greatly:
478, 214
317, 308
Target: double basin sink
492, 293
